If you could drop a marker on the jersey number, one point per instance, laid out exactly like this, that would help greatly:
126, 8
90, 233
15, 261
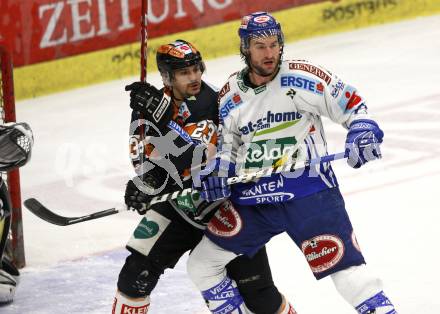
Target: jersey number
204, 131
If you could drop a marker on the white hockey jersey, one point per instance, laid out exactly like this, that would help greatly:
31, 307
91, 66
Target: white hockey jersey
280, 123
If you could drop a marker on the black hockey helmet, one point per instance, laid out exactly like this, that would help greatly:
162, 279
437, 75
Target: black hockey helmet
177, 55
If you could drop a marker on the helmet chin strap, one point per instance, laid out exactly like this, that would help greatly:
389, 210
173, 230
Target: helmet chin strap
177, 98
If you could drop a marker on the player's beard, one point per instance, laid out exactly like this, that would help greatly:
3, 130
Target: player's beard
261, 71
189, 90
193, 88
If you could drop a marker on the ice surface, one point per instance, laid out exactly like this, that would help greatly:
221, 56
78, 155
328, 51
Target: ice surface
392, 202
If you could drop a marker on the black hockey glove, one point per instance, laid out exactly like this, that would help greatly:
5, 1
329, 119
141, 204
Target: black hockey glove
154, 180
135, 199
151, 102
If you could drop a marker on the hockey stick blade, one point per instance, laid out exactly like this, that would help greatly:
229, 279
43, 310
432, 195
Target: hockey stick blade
44, 213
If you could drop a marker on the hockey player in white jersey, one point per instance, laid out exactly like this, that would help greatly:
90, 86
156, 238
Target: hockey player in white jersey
270, 115
16, 142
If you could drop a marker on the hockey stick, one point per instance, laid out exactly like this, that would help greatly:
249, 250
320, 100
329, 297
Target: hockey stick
143, 64
252, 176
144, 43
46, 214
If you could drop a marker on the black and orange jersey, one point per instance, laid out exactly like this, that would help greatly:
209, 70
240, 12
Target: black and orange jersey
195, 122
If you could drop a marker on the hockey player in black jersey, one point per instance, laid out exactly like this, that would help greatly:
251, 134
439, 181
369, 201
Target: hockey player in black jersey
182, 120
16, 142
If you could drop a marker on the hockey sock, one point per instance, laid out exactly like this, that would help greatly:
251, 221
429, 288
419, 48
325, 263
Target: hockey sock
377, 304
357, 286
122, 305
225, 298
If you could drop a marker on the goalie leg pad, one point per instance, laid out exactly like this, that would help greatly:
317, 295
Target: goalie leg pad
138, 276
5, 217
123, 305
8, 285
9, 279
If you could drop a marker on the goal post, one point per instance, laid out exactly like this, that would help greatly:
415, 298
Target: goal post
7, 108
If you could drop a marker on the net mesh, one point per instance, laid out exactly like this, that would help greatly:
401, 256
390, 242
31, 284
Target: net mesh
24, 143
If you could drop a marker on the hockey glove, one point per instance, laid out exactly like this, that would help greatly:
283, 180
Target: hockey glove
151, 102
137, 200
362, 144
211, 182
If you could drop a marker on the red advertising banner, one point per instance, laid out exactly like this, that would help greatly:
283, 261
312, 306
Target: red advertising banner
42, 30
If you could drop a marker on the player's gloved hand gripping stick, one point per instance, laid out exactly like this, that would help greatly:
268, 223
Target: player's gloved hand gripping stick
46, 214
361, 146
152, 103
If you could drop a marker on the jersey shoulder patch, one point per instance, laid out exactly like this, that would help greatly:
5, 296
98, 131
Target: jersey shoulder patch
225, 89
308, 67
234, 74
230, 98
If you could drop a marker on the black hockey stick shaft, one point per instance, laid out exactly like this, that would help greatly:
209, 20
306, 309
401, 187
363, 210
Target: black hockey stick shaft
144, 40
46, 214
143, 64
